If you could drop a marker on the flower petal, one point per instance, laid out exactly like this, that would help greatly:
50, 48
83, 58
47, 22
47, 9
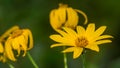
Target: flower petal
60, 44
85, 16
99, 31
90, 29
104, 36
54, 20
57, 38
80, 30
64, 34
77, 52
72, 18
71, 33
30, 39
15, 45
9, 52
70, 49
103, 41
61, 12
93, 47
1, 48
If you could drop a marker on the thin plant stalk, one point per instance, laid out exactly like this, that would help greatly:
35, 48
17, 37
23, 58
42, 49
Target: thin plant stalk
65, 59
32, 61
10, 65
83, 59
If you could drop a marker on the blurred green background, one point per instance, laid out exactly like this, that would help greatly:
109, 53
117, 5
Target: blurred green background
34, 14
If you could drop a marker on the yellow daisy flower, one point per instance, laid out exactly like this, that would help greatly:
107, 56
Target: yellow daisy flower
65, 16
19, 40
80, 39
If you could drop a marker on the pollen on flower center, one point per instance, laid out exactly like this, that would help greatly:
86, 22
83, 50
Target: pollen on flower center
16, 33
81, 42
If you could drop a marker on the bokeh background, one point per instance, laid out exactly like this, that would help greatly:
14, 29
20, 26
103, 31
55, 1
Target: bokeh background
34, 14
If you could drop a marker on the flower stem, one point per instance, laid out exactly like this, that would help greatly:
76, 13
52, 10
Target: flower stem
10, 65
32, 61
83, 58
65, 59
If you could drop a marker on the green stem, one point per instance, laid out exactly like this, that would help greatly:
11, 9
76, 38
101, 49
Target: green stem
32, 61
83, 59
65, 59
10, 65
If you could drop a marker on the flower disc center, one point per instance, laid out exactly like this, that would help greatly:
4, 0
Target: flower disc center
81, 42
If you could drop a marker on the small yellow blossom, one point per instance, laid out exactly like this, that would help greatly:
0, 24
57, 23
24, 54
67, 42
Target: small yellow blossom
80, 39
15, 39
65, 16
19, 40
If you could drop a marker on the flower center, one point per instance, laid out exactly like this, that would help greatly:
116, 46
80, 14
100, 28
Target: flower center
16, 33
81, 42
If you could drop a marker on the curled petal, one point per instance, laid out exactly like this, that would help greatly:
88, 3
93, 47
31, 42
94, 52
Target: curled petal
9, 52
30, 39
8, 32
61, 12
85, 16
72, 16
54, 20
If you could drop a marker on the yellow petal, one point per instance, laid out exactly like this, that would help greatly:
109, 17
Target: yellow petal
30, 39
54, 20
85, 16
72, 18
61, 14
70, 49
60, 44
70, 32
103, 41
93, 47
21, 40
90, 29
8, 32
9, 52
64, 34
15, 45
57, 38
99, 31
80, 30
77, 52
104, 36
1, 48
63, 40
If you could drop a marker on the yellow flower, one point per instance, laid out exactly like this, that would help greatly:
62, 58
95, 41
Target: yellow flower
19, 40
80, 39
65, 16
